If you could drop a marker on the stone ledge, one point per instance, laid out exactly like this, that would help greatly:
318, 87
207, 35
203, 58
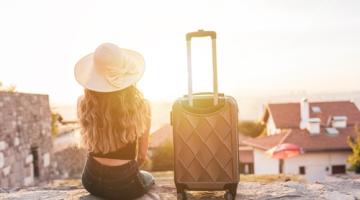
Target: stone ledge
164, 189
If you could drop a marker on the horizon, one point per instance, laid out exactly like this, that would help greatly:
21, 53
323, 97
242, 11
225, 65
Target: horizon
263, 47
251, 94
251, 108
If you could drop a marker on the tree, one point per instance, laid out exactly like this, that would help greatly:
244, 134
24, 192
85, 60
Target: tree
54, 123
10, 88
251, 128
354, 158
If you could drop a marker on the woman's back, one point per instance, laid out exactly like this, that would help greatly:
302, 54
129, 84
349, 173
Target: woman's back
115, 122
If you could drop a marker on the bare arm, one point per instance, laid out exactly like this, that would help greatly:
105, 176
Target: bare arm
143, 142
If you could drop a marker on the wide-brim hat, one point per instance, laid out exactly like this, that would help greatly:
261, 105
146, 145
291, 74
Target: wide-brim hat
109, 68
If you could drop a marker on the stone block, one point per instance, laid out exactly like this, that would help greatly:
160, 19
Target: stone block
13, 123
11, 159
28, 180
6, 170
46, 158
29, 158
18, 170
2, 160
16, 141
5, 183
29, 170
3, 145
15, 179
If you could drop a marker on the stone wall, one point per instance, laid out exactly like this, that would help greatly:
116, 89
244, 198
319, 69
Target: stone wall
69, 162
25, 139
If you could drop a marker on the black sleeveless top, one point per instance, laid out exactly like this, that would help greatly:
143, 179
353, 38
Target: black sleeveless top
127, 152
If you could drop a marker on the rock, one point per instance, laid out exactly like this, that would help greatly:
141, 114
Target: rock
357, 194
336, 195
295, 185
315, 186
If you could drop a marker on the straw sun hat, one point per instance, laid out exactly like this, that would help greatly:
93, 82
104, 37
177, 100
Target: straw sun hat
109, 68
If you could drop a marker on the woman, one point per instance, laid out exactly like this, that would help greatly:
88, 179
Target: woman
115, 122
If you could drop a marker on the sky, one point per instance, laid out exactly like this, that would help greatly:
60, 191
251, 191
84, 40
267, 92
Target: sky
263, 46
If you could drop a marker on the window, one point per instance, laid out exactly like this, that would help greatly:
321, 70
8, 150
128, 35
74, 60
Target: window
316, 109
332, 131
246, 168
338, 169
281, 166
35, 154
302, 170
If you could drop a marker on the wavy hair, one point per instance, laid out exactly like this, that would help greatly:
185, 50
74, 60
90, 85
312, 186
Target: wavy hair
110, 120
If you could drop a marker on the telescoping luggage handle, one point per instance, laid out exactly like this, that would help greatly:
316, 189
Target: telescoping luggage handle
202, 33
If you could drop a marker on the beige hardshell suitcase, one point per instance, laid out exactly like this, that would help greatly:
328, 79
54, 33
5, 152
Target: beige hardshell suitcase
205, 136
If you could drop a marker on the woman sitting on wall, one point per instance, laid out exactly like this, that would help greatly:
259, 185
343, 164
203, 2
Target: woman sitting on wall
115, 122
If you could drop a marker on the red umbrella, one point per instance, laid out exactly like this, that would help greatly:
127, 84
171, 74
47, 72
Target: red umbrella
285, 150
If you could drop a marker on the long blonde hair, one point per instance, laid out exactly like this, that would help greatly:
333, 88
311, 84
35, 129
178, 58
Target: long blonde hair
110, 120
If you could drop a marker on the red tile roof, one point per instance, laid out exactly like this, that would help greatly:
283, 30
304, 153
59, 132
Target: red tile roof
241, 138
287, 115
302, 138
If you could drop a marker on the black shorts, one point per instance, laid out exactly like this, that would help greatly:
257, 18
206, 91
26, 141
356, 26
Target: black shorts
115, 182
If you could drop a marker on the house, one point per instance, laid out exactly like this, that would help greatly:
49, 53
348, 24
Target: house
246, 157
25, 139
321, 129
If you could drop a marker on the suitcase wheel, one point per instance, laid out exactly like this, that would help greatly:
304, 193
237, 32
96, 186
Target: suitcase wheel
229, 196
181, 196
231, 190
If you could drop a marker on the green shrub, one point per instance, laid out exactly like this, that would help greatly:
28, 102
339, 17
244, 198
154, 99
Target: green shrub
54, 124
163, 157
10, 88
354, 158
251, 128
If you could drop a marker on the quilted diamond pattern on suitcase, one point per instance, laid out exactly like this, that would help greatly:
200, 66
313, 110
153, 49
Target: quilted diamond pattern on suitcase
204, 146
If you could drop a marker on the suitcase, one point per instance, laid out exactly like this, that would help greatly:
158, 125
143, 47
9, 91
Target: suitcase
205, 136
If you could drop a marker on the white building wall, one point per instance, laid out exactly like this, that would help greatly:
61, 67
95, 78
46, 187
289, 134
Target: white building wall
270, 125
263, 164
317, 165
